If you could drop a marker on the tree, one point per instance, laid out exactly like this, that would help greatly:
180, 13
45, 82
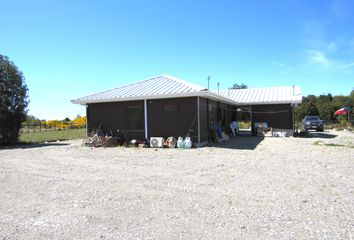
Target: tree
31, 120
13, 101
307, 107
325, 106
312, 110
237, 86
351, 105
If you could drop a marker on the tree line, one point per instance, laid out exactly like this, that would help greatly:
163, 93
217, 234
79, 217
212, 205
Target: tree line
325, 106
78, 122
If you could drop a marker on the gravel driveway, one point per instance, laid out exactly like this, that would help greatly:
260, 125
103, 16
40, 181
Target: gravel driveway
248, 188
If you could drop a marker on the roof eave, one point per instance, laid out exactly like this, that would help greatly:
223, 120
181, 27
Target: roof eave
271, 103
137, 98
214, 96
206, 94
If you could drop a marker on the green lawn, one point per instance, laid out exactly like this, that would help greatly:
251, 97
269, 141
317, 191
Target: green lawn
50, 136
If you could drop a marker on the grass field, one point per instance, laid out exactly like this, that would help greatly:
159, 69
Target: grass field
50, 136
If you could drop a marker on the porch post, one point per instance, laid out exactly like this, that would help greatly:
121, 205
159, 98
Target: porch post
145, 119
251, 116
207, 120
198, 109
293, 116
87, 116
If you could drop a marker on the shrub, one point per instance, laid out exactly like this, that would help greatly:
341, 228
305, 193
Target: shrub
13, 101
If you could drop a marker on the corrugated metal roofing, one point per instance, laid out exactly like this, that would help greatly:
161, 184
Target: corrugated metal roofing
156, 86
267, 95
167, 87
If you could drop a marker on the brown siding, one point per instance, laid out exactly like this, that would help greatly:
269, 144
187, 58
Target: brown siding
164, 120
220, 113
223, 116
112, 116
166, 117
203, 108
213, 111
277, 116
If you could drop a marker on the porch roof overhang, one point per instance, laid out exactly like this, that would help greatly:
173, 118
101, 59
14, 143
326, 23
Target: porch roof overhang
205, 94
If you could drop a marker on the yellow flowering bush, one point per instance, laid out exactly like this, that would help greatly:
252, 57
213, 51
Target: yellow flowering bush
79, 122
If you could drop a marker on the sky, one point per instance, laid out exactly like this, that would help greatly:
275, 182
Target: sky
68, 49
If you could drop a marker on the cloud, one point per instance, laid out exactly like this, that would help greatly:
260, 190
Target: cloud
319, 58
284, 68
325, 46
331, 47
346, 65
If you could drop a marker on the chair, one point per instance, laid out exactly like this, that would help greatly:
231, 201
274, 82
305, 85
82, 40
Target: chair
234, 128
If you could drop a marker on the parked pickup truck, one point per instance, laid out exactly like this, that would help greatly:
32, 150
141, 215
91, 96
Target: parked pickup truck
312, 122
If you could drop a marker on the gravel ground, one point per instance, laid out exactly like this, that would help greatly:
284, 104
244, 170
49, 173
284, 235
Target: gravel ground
249, 188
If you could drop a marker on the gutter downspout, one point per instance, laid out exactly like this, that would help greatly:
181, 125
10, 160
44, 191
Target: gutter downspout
87, 130
145, 119
252, 127
293, 119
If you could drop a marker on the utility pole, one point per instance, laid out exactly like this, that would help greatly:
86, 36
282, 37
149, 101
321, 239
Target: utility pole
208, 81
218, 87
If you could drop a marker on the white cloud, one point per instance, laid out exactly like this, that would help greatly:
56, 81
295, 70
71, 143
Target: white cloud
319, 58
346, 65
284, 68
323, 47
331, 47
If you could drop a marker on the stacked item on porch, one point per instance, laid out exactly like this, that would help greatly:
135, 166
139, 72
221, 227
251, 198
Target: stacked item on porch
263, 129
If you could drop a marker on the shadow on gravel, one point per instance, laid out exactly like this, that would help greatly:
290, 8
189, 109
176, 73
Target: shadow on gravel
241, 142
36, 145
318, 135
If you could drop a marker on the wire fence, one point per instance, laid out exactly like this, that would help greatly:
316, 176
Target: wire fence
44, 127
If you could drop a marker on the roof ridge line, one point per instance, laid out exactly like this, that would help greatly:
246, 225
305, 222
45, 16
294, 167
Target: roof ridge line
124, 85
192, 85
285, 86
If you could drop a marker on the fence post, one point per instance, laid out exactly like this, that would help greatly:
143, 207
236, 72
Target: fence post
27, 127
40, 127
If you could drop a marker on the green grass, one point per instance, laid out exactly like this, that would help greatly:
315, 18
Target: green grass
50, 136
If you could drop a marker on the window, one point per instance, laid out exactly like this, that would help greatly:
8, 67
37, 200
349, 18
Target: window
170, 108
211, 108
134, 117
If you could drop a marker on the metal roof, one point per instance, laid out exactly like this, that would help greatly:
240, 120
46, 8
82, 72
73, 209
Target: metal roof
266, 95
149, 88
165, 86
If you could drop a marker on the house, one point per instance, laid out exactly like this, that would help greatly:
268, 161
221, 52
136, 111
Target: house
274, 105
165, 106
